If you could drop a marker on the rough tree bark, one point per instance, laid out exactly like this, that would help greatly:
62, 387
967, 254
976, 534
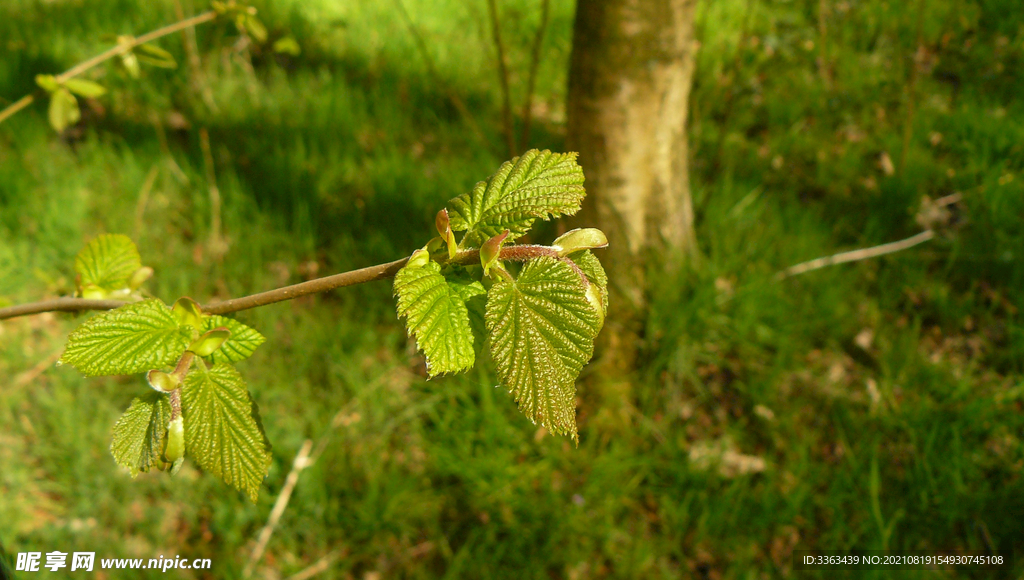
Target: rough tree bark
629, 85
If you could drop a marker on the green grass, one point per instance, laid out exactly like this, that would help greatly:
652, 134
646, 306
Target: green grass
341, 156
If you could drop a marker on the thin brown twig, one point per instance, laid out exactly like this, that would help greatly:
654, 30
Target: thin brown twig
320, 565
301, 462
538, 42
350, 278
506, 94
108, 54
856, 255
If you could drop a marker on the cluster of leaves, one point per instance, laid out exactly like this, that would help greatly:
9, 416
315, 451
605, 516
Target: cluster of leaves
64, 110
538, 321
201, 406
539, 326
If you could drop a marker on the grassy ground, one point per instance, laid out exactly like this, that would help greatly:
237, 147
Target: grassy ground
874, 405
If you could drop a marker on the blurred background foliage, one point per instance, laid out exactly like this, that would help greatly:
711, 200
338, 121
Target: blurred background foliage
872, 405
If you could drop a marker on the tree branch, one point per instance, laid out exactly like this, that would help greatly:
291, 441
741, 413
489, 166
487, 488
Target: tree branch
108, 54
856, 255
351, 278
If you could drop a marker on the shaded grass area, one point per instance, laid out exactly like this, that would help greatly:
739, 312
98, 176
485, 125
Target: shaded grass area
874, 405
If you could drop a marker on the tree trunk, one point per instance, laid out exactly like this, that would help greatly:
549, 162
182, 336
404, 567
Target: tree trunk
629, 86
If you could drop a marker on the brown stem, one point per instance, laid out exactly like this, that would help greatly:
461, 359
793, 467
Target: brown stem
181, 369
510, 138
351, 278
110, 53
531, 82
175, 401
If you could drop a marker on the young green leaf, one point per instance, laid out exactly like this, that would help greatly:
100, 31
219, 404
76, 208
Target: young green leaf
578, 240
161, 381
175, 447
436, 314
542, 330
187, 312
223, 431
243, 341
107, 264
139, 434
85, 88
255, 28
592, 269
131, 339
210, 341
539, 184
155, 56
474, 294
444, 228
63, 111
47, 82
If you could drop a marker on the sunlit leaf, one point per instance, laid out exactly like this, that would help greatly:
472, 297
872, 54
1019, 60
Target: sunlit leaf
542, 330
594, 272
131, 339
47, 82
243, 341
155, 56
539, 184
107, 264
436, 315
139, 433
63, 111
85, 88
223, 431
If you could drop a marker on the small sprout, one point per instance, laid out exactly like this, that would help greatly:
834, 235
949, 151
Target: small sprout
161, 381
175, 448
139, 277
188, 313
47, 82
155, 56
418, 259
434, 244
580, 239
210, 341
490, 250
129, 60
444, 228
85, 88
92, 292
63, 111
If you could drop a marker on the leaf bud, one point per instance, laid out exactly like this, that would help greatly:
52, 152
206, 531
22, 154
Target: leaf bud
444, 227
580, 239
47, 82
187, 312
490, 250
161, 381
210, 341
175, 448
418, 259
